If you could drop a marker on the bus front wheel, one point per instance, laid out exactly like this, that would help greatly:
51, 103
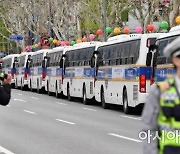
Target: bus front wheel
56, 92
104, 104
31, 89
68, 94
38, 87
125, 102
84, 99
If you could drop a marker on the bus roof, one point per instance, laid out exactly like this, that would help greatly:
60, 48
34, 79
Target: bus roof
122, 37
41, 51
11, 56
58, 48
83, 45
25, 53
86, 44
176, 28
173, 32
130, 37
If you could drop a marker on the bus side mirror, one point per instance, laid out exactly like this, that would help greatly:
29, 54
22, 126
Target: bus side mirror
100, 62
149, 59
150, 42
30, 63
15, 63
43, 63
92, 61
61, 63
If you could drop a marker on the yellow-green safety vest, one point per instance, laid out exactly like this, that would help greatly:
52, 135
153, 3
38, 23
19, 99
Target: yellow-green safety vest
169, 118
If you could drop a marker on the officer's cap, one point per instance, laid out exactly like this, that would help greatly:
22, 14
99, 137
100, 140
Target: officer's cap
173, 49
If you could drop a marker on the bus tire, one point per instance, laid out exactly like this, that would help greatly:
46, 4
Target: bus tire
125, 102
16, 85
84, 98
38, 90
49, 93
13, 85
22, 87
56, 92
104, 104
31, 89
68, 94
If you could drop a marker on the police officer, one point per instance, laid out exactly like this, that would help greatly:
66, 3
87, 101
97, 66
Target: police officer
161, 114
5, 89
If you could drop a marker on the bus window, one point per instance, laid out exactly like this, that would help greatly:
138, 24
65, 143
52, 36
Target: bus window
162, 45
135, 48
113, 53
161, 59
173, 38
125, 53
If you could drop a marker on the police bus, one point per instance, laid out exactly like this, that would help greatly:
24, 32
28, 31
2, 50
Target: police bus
38, 68
23, 70
162, 65
8, 66
79, 76
123, 78
55, 74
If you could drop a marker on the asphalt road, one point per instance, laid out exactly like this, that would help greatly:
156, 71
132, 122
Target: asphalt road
40, 124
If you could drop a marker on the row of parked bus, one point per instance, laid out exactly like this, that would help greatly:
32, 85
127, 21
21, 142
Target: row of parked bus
119, 71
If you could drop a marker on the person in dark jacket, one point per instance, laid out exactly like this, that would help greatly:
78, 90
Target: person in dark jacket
5, 91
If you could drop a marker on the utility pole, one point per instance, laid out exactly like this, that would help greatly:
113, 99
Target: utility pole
50, 19
105, 21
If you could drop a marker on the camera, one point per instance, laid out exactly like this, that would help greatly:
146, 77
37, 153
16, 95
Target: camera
3, 76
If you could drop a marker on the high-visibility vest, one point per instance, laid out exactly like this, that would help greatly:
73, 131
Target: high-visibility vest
169, 118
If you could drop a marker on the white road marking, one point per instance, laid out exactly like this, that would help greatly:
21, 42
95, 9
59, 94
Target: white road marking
124, 137
34, 98
71, 123
89, 109
131, 117
20, 100
61, 103
3, 150
29, 112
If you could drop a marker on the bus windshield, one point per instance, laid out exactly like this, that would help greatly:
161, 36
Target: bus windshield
162, 43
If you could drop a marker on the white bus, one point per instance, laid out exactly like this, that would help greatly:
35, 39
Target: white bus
79, 76
123, 78
162, 66
38, 70
23, 70
55, 74
8, 66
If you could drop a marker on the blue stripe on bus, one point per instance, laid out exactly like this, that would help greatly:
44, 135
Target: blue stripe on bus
131, 73
58, 72
13, 70
145, 71
110, 73
80, 72
126, 73
161, 74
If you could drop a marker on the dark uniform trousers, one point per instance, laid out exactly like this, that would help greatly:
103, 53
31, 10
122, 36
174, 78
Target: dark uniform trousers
5, 94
